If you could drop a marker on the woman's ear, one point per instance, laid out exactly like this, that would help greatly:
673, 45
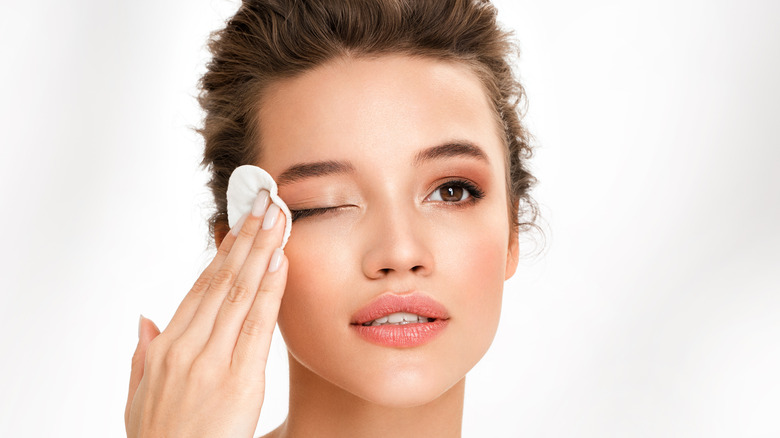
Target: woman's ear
512, 256
220, 231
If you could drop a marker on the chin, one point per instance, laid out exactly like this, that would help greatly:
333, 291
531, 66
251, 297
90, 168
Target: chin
406, 389
390, 380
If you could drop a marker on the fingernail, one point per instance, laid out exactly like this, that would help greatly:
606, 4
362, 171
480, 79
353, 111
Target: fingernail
276, 260
237, 227
140, 318
261, 203
270, 217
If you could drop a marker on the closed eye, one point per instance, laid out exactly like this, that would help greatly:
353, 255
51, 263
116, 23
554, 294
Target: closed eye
308, 212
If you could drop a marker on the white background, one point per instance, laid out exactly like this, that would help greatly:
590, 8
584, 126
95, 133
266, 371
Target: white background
654, 309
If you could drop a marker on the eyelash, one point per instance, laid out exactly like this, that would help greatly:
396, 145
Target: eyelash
300, 214
475, 194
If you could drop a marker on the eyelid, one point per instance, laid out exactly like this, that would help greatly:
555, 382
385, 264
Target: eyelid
308, 212
475, 193
317, 204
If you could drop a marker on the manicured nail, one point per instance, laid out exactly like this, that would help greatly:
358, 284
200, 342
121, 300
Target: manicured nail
239, 224
276, 260
140, 318
261, 203
270, 217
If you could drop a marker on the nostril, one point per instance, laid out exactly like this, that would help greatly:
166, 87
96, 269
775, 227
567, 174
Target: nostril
384, 272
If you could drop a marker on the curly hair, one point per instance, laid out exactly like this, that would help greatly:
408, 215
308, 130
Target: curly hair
269, 40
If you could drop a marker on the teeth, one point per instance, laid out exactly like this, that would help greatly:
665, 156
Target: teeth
411, 317
398, 318
395, 318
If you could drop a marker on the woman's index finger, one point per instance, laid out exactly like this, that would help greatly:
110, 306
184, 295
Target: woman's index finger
254, 340
189, 304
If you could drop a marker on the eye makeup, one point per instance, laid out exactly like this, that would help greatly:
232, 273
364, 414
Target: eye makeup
473, 192
309, 212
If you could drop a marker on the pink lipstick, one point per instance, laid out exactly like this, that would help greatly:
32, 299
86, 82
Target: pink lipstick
406, 320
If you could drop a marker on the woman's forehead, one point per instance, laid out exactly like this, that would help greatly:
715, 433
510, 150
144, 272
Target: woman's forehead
375, 110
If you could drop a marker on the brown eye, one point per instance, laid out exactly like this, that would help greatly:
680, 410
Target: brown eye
451, 192
456, 192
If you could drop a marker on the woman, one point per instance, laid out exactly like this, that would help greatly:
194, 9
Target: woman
392, 130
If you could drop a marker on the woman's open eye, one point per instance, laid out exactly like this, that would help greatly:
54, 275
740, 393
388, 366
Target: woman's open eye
456, 192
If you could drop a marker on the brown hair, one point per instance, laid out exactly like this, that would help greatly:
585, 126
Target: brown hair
267, 40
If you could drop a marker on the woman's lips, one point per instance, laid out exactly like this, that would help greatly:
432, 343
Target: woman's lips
407, 334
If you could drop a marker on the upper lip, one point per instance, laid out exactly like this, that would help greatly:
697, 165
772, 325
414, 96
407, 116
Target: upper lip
391, 302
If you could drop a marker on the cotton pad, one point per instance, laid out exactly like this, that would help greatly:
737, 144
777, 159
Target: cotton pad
244, 185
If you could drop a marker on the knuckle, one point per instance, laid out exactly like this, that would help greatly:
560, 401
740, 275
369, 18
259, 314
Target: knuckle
208, 371
155, 350
200, 372
200, 287
238, 293
252, 327
263, 241
222, 251
223, 278
269, 292
177, 355
247, 232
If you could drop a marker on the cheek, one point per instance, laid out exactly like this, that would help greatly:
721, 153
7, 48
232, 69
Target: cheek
315, 285
474, 247
475, 264
482, 275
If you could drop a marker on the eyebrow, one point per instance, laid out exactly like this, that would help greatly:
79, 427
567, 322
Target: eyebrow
301, 171
450, 150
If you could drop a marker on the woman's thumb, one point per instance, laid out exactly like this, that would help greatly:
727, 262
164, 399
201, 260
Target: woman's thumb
147, 330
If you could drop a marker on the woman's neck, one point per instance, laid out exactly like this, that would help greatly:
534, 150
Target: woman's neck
319, 408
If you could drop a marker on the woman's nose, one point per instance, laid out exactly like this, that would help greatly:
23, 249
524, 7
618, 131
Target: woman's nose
396, 245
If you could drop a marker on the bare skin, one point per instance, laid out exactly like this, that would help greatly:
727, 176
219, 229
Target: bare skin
204, 375
440, 418
405, 225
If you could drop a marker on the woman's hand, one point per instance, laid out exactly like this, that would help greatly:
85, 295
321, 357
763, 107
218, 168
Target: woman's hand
205, 374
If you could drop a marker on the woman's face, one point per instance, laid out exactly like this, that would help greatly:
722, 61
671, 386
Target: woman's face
399, 162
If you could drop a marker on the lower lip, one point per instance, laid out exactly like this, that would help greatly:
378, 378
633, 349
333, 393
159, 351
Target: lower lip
407, 335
